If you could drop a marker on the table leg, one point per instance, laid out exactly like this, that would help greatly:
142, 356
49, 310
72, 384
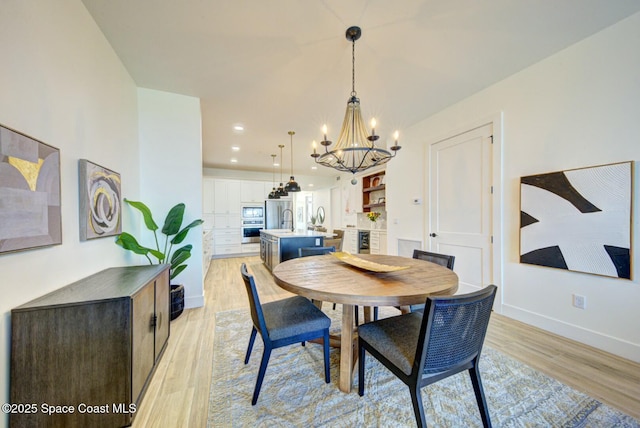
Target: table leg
347, 354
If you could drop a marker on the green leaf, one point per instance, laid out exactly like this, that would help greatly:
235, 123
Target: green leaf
158, 255
146, 213
128, 242
175, 272
174, 220
183, 233
181, 255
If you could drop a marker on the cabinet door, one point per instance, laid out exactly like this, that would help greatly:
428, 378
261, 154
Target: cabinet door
208, 189
233, 197
163, 312
253, 192
143, 338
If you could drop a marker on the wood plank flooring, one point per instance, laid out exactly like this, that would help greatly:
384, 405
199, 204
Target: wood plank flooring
178, 394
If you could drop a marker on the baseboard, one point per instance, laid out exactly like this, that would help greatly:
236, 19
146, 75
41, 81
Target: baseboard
610, 344
193, 302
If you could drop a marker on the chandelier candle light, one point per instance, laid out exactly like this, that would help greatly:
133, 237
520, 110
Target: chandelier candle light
355, 151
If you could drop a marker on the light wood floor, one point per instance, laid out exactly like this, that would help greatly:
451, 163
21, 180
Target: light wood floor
178, 394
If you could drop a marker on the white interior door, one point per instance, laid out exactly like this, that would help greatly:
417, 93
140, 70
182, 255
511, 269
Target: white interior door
460, 218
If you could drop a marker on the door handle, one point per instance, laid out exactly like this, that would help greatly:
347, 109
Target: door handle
433, 235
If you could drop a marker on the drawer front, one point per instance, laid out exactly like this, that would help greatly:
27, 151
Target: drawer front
227, 249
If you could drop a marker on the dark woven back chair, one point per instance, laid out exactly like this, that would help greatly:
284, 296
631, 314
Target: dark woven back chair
440, 259
281, 323
421, 349
315, 251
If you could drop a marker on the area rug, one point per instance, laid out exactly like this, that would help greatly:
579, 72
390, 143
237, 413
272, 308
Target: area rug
294, 393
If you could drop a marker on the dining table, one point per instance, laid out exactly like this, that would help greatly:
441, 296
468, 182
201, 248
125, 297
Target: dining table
369, 280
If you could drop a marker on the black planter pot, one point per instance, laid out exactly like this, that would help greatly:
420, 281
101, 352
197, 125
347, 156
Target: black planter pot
177, 300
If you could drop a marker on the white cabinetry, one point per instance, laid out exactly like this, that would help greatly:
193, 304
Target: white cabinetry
253, 191
227, 197
227, 234
208, 202
207, 251
350, 241
378, 242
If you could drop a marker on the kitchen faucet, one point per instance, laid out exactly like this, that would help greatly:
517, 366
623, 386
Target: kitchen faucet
283, 216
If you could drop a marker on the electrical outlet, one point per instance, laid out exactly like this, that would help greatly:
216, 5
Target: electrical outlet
317, 242
579, 301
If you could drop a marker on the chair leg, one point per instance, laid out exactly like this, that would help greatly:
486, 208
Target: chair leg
480, 398
375, 313
325, 344
361, 353
418, 409
263, 369
252, 339
357, 315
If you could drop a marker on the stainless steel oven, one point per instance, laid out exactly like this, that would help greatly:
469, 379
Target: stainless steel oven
252, 212
251, 230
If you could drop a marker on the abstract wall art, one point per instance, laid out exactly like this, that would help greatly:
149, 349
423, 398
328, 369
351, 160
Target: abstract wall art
579, 219
30, 215
100, 201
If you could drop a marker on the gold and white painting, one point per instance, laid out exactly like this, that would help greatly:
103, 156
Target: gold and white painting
30, 215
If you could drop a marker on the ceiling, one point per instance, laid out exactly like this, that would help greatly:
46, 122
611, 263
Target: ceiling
280, 65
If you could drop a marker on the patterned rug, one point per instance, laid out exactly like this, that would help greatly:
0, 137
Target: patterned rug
294, 393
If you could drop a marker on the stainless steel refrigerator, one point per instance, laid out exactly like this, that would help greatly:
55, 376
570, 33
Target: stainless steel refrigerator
278, 214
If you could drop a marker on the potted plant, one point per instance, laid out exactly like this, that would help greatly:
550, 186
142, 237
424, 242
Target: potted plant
174, 235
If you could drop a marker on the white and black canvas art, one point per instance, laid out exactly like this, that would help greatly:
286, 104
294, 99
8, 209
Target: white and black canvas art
579, 220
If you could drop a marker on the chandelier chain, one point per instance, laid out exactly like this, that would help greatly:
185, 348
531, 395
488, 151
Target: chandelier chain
353, 68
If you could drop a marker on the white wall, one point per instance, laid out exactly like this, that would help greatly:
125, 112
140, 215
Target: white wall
171, 172
61, 83
577, 108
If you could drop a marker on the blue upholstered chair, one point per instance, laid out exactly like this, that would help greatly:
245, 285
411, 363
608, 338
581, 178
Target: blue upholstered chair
281, 323
423, 348
441, 259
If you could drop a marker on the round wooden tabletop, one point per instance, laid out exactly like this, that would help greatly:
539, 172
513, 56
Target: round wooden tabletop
326, 278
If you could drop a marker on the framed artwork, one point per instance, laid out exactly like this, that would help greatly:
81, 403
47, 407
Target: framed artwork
100, 201
30, 215
579, 219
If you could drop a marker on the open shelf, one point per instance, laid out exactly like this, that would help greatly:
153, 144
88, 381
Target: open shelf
373, 190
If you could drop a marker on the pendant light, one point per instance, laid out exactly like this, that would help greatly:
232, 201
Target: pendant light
355, 151
274, 193
281, 191
292, 186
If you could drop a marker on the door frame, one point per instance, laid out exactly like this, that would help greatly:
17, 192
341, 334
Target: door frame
497, 224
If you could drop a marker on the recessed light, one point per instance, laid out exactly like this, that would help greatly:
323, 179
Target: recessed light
234, 160
276, 164
310, 184
314, 167
238, 127
235, 148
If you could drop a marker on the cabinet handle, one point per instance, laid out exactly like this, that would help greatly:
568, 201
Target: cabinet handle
433, 235
154, 320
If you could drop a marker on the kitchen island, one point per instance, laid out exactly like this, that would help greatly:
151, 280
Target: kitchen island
278, 245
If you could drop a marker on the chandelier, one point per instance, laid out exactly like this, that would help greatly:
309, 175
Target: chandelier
292, 185
355, 151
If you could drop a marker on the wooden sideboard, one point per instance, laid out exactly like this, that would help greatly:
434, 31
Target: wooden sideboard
89, 348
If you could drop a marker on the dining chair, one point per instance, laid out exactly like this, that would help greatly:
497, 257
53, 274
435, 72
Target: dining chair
423, 348
441, 259
315, 251
281, 323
